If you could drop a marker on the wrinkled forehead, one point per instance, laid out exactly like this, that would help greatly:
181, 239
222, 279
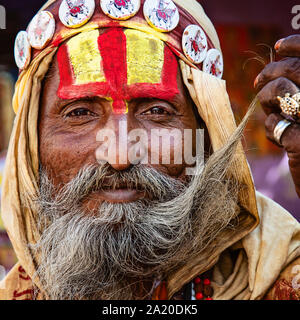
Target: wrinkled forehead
117, 64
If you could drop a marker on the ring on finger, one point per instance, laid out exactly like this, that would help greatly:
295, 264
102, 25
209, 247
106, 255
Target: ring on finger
279, 130
290, 105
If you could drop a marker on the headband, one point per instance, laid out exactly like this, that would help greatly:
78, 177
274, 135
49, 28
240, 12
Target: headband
162, 18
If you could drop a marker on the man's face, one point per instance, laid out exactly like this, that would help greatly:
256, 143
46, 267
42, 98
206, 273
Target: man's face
70, 121
110, 228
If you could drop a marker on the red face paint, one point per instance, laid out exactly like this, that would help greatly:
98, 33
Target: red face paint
111, 71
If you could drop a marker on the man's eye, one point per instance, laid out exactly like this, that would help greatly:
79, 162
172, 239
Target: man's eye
157, 111
80, 112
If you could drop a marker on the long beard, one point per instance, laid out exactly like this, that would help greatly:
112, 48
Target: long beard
113, 252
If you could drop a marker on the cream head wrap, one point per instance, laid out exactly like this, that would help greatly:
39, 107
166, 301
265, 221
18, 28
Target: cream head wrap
208, 93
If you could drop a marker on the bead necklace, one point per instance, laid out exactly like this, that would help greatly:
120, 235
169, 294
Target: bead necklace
198, 289
201, 289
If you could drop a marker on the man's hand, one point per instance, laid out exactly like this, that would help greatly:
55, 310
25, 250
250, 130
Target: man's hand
277, 79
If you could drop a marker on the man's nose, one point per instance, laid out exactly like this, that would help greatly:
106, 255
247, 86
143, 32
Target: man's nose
115, 144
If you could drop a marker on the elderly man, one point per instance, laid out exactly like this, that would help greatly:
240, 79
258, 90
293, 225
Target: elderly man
93, 208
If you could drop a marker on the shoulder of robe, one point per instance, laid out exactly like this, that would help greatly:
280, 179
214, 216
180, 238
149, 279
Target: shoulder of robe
17, 285
287, 286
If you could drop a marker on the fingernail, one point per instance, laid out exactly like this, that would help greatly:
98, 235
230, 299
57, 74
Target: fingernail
277, 44
256, 81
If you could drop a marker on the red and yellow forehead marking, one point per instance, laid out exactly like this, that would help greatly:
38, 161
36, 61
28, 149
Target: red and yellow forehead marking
119, 64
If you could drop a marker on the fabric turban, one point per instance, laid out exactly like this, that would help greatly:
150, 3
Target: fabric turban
207, 91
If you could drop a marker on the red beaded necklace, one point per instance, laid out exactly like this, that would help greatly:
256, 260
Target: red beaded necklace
201, 289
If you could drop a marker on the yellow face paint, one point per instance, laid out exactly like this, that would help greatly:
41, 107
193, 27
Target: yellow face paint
145, 57
117, 64
85, 58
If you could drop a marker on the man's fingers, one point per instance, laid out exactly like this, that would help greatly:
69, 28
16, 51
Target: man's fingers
288, 68
270, 124
289, 47
290, 138
269, 93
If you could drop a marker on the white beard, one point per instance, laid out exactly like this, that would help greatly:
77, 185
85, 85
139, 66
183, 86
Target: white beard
110, 253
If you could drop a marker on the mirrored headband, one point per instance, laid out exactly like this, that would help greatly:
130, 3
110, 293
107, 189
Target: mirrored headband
162, 18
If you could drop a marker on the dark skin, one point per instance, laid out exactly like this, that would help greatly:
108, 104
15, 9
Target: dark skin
68, 130
276, 79
63, 158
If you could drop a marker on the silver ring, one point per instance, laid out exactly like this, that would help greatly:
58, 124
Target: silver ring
279, 130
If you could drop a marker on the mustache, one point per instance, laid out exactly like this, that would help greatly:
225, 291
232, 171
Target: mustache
93, 178
83, 256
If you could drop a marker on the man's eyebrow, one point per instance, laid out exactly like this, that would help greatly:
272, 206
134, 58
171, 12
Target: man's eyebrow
177, 100
62, 103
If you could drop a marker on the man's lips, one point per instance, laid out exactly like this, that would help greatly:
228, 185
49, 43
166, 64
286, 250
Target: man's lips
119, 195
